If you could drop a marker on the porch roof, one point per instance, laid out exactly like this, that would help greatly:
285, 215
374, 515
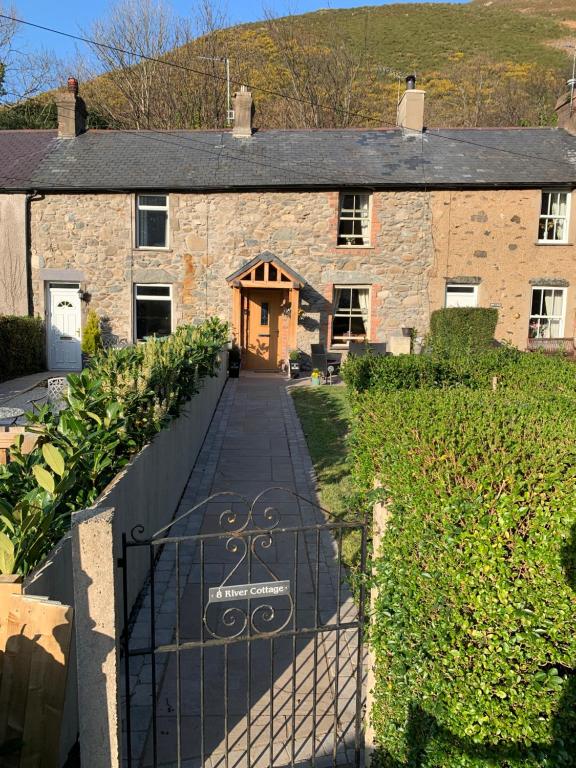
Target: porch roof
270, 258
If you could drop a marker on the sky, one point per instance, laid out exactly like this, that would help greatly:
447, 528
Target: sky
74, 15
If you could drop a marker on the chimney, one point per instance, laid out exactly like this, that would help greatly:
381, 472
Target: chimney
410, 115
566, 110
71, 111
243, 113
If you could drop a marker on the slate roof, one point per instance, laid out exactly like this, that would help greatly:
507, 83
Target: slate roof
204, 160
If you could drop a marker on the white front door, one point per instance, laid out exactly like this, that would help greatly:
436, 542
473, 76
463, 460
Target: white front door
64, 328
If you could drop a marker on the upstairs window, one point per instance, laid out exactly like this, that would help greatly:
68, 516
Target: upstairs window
351, 315
553, 225
354, 219
152, 310
458, 295
152, 221
547, 313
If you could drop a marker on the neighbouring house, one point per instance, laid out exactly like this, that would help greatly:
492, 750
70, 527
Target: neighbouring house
295, 236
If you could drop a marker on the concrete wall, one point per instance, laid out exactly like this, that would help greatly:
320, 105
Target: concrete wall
13, 296
493, 235
145, 492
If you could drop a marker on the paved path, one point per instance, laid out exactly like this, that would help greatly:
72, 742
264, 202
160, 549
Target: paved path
274, 701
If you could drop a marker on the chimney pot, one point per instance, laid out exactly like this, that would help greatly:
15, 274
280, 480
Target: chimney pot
243, 113
71, 111
410, 82
73, 85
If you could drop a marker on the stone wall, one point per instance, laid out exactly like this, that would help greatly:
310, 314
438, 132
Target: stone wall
493, 235
419, 240
211, 235
13, 295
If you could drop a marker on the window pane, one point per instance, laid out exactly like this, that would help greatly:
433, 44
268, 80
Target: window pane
345, 297
152, 290
152, 228
156, 200
264, 313
536, 301
340, 326
153, 318
544, 209
358, 326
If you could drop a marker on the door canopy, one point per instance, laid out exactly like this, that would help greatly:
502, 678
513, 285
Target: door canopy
265, 271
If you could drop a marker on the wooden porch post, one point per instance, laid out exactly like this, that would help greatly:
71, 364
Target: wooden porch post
294, 307
236, 313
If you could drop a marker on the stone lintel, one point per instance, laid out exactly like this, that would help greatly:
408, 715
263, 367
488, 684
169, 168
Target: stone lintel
464, 280
553, 282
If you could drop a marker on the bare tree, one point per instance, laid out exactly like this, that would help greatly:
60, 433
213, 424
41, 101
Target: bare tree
22, 75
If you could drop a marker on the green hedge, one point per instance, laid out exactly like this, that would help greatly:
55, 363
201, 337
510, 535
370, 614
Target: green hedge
462, 330
474, 628
113, 409
21, 346
513, 369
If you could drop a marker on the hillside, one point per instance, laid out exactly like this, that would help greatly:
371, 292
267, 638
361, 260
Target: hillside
486, 63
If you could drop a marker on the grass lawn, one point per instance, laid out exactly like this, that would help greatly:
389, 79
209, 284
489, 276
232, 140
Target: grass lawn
324, 415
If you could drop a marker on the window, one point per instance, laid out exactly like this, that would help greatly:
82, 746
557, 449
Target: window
554, 217
153, 310
461, 295
152, 221
547, 313
354, 219
351, 315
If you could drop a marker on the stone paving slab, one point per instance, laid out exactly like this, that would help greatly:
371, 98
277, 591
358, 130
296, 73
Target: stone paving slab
301, 696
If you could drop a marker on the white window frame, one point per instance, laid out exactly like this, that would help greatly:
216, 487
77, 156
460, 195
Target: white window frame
473, 293
353, 217
165, 208
549, 216
170, 298
562, 317
343, 343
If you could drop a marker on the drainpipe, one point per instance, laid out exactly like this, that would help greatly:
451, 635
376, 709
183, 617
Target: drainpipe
30, 198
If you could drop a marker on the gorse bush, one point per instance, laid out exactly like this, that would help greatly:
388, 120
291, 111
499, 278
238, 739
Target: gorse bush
21, 346
474, 627
113, 409
462, 330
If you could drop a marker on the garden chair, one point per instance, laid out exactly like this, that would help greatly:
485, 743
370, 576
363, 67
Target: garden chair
56, 389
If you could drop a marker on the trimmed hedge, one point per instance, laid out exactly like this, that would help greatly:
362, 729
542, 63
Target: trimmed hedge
21, 346
512, 368
461, 330
474, 628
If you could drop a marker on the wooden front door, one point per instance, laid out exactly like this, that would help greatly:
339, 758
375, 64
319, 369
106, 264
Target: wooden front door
263, 329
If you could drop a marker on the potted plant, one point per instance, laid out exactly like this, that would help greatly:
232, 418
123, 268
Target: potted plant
234, 359
316, 377
294, 363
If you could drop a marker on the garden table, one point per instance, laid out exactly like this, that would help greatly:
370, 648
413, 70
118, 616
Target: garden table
9, 416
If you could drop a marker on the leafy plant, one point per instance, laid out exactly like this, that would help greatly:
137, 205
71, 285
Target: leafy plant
113, 409
462, 330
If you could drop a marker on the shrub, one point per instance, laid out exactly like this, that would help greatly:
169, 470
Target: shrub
474, 628
462, 330
21, 346
91, 335
113, 409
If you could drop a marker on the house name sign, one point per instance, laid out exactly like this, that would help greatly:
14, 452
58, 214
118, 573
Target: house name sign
226, 593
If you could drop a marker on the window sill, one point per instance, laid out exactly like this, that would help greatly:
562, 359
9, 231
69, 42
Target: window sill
150, 249
553, 242
342, 247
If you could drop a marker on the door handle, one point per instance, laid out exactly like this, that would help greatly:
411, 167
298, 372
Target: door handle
65, 338
264, 335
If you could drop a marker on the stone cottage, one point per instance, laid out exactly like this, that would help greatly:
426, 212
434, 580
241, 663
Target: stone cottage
294, 236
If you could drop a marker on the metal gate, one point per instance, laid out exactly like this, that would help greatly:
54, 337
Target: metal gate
245, 648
